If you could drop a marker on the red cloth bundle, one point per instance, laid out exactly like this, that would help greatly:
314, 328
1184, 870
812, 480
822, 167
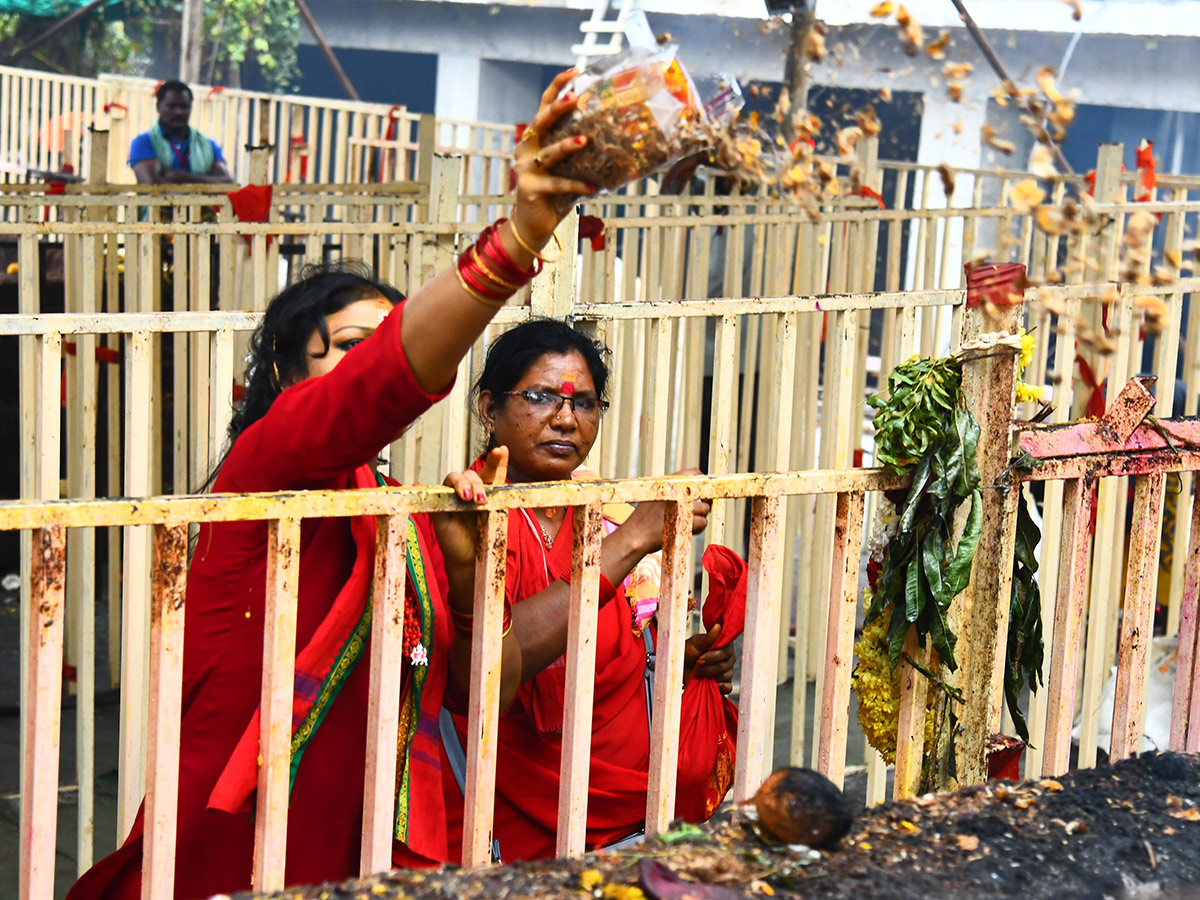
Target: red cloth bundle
708, 738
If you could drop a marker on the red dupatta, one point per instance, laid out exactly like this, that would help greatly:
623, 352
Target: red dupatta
325, 662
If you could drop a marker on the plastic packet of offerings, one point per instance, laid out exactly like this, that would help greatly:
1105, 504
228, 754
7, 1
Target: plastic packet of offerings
640, 111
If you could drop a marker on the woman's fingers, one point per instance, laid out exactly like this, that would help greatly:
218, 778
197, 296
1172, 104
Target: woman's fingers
556, 85
466, 485
495, 467
461, 483
548, 157
553, 184
549, 113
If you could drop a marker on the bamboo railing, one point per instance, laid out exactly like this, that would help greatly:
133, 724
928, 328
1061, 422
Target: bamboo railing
799, 307
156, 584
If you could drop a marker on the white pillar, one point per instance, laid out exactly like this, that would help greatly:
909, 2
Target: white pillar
950, 134
509, 91
458, 80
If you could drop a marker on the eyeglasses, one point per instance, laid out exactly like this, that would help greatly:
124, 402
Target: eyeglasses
547, 404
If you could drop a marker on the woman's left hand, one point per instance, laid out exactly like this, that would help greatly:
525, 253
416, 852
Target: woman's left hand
537, 210
702, 662
457, 534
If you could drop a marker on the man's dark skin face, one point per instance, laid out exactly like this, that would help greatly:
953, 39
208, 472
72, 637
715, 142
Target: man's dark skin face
174, 111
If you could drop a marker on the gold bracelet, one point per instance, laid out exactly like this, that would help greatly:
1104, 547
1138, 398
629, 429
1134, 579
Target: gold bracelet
517, 237
490, 274
486, 301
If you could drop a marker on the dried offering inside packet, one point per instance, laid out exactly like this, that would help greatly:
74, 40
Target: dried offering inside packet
640, 111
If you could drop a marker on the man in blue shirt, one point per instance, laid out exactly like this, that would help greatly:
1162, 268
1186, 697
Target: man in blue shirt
172, 152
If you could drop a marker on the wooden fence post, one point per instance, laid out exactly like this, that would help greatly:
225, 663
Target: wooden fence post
979, 616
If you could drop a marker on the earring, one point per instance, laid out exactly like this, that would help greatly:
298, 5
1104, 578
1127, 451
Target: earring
275, 366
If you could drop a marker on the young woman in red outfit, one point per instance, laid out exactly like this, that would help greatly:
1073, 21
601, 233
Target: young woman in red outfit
318, 410
541, 396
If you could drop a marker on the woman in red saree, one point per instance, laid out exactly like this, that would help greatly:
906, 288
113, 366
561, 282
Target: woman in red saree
541, 397
316, 414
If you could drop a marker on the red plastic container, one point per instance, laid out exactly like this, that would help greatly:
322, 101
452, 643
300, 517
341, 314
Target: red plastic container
994, 282
1004, 758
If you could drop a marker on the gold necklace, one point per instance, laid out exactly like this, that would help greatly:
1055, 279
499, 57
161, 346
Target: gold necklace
545, 534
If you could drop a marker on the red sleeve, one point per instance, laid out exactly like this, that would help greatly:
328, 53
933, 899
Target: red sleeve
323, 427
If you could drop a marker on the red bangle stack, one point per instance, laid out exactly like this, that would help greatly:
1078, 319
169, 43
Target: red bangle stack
488, 273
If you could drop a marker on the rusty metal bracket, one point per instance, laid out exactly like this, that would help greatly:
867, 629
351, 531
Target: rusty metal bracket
1129, 410
1122, 428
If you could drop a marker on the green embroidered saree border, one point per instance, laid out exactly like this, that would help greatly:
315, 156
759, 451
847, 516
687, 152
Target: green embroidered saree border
330, 687
411, 712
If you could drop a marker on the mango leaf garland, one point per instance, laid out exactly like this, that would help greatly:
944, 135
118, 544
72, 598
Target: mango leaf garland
924, 428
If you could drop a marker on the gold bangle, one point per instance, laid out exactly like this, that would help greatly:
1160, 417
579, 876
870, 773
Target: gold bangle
517, 237
486, 301
490, 274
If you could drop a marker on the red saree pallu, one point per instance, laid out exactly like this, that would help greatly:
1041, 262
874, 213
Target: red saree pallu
530, 735
319, 434
708, 723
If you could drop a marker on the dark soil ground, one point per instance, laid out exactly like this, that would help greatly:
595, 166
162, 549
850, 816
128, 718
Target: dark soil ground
1127, 831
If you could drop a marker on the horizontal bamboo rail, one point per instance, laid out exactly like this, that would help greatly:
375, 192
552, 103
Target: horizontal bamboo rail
811, 322
169, 517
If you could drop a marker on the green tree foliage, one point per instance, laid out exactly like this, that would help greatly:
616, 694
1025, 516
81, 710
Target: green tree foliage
265, 31
122, 37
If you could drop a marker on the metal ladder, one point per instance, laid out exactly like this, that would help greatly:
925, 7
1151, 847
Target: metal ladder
599, 24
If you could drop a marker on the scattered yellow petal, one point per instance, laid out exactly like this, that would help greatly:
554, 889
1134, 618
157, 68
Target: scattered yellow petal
1191, 815
908, 826
590, 879
956, 70
1043, 162
622, 892
938, 48
1076, 8
967, 842
12, 268
1050, 785
988, 133
865, 846
883, 10
1026, 195
1045, 79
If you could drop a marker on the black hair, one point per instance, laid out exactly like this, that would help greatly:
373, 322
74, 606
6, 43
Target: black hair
278, 353
173, 85
514, 353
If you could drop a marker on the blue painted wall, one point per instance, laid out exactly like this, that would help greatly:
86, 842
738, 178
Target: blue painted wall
409, 79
